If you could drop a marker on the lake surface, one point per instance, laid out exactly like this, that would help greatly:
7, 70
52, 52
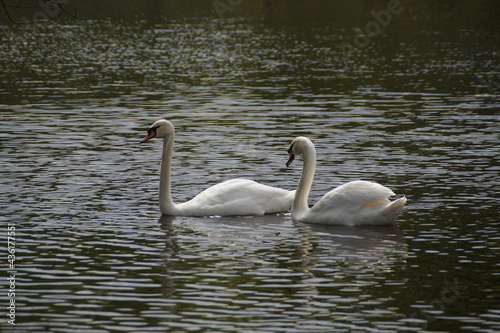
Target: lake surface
410, 100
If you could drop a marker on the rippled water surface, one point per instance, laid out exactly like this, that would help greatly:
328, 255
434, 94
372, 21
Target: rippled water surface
415, 107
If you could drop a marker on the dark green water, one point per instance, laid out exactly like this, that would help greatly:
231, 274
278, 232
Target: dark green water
404, 94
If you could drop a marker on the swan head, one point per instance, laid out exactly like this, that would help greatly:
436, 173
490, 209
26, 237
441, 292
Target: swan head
160, 128
298, 147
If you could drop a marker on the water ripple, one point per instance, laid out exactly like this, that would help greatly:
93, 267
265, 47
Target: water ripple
92, 255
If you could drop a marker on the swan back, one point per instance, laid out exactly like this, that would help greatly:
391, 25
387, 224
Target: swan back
357, 203
237, 197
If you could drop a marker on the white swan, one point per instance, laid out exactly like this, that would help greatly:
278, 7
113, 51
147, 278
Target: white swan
232, 197
354, 203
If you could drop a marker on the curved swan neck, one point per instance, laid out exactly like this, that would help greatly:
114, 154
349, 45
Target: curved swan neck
166, 203
305, 182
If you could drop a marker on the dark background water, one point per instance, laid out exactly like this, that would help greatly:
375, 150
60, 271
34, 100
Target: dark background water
405, 94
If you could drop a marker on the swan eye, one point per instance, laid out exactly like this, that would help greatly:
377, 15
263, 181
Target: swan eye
152, 129
290, 149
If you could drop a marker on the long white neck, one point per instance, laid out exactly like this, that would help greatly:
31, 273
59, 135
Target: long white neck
167, 206
300, 205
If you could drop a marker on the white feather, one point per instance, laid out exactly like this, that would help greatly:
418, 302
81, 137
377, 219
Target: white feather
232, 197
354, 203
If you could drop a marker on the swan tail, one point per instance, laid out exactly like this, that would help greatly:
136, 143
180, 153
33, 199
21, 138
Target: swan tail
395, 208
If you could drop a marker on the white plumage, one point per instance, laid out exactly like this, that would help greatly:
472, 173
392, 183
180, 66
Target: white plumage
232, 197
354, 203
237, 197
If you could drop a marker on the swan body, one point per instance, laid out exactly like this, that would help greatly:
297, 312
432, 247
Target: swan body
232, 197
354, 203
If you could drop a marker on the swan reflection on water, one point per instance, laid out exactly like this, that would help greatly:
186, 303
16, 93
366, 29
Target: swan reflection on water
373, 248
263, 249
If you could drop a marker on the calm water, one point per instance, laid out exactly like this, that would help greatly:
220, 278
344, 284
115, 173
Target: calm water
414, 106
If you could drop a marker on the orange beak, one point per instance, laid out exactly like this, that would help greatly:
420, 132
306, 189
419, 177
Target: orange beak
151, 134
